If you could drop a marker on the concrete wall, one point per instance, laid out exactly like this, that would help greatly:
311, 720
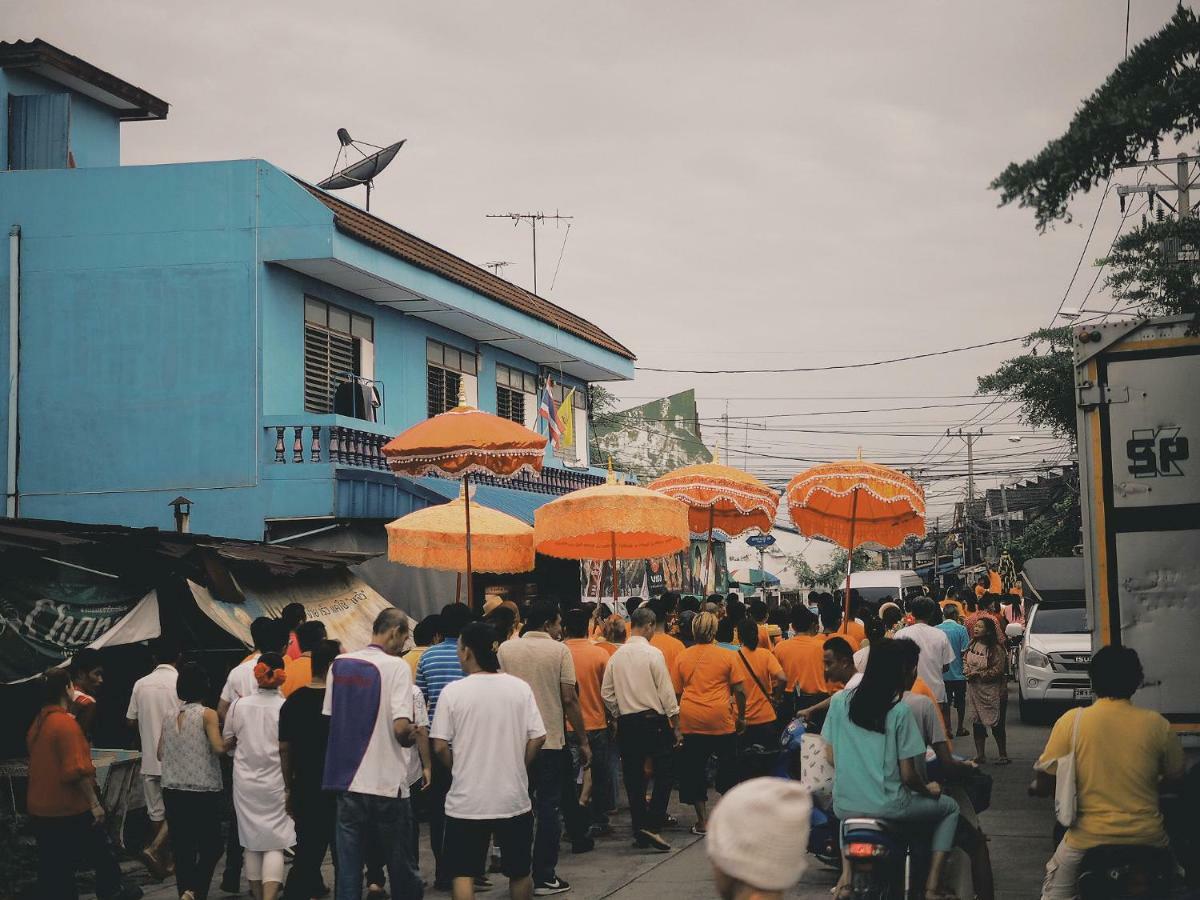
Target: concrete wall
139, 340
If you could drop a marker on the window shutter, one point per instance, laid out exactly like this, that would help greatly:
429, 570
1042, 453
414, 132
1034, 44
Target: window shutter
328, 356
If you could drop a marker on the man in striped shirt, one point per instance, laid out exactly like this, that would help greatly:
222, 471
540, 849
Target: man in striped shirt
438, 667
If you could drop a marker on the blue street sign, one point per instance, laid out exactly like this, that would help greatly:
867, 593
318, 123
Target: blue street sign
760, 540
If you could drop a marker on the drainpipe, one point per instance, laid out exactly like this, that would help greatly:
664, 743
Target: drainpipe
14, 366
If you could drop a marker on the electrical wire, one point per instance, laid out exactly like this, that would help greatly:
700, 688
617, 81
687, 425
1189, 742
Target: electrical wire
863, 365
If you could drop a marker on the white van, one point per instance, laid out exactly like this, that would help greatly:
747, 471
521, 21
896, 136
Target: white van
879, 584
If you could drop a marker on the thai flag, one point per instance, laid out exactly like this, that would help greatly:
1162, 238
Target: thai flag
548, 411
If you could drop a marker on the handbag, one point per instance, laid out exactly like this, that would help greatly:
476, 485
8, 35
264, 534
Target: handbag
1066, 800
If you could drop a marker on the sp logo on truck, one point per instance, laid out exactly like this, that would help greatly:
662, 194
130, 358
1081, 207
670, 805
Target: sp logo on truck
1155, 452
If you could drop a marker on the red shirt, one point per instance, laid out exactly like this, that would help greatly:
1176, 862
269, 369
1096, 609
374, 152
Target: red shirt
59, 757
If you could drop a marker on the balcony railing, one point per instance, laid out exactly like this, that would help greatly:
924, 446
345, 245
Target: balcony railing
337, 444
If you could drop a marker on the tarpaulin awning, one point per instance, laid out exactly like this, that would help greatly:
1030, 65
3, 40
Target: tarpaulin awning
45, 621
518, 504
345, 603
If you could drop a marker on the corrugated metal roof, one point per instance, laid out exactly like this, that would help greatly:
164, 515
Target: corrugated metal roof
518, 504
131, 102
387, 237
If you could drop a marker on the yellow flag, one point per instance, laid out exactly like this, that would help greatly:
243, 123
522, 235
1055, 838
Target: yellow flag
566, 419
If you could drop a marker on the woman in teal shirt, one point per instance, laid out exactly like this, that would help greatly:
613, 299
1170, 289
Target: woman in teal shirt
874, 742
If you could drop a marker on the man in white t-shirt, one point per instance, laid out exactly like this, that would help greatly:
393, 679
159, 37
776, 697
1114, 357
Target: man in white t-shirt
487, 731
369, 699
152, 702
936, 652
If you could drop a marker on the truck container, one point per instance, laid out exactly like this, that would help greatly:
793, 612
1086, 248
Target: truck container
1138, 398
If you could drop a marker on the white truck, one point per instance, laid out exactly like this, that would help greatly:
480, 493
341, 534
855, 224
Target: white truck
1138, 397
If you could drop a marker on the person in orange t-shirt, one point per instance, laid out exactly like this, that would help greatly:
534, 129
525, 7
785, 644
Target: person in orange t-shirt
65, 813
671, 647
803, 659
763, 687
706, 677
299, 670
590, 662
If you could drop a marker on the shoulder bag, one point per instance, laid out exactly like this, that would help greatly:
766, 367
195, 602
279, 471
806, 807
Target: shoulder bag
1066, 800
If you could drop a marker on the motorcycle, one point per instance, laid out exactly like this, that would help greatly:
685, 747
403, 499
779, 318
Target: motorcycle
878, 856
824, 829
1015, 635
1116, 872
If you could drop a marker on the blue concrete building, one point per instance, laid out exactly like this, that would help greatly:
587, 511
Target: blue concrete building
226, 332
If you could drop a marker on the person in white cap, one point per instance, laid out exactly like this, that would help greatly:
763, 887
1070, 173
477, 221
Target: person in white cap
757, 839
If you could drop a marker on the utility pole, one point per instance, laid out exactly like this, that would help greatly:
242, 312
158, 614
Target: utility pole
969, 437
726, 418
533, 218
1187, 174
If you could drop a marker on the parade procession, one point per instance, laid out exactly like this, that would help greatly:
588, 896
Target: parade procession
767, 474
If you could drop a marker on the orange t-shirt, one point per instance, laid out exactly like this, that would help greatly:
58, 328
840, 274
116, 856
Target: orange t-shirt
920, 687
758, 707
297, 673
590, 661
607, 646
704, 675
670, 647
764, 638
853, 632
803, 662
980, 590
995, 583
59, 756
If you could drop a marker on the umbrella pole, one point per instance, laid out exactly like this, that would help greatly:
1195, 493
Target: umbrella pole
612, 536
470, 579
849, 561
708, 555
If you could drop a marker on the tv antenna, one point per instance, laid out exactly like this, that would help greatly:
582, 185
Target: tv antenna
362, 171
497, 265
533, 218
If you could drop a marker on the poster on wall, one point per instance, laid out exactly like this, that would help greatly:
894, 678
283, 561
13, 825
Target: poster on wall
684, 572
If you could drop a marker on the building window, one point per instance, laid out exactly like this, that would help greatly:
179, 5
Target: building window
516, 395
574, 444
339, 350
450, 371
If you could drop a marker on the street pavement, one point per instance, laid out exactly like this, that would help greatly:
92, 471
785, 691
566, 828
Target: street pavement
1018, 827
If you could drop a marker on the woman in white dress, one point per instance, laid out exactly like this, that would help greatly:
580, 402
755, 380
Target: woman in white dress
259, 796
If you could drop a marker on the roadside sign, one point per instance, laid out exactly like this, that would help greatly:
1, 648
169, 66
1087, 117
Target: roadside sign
760, 540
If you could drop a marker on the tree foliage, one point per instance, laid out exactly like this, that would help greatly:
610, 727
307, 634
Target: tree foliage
1054, 533
1042, 383
1152, 95
1156, 267
829, 575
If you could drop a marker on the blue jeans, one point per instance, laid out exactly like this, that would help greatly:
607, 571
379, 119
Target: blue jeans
363, 818
546, 777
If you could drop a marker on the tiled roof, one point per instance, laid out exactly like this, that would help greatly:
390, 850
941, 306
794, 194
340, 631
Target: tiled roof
387, 237
38, 56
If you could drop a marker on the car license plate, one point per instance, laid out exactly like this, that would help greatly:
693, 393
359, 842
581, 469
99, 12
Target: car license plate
1084, 694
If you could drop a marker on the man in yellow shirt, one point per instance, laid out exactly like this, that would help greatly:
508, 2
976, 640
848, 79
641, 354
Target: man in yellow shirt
1122, 755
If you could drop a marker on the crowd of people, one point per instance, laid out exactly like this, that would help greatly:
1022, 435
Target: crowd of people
509, 731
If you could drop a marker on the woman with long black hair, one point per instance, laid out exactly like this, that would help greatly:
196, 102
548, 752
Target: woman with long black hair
874, 743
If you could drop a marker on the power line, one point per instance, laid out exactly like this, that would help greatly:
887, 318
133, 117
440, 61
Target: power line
864, 365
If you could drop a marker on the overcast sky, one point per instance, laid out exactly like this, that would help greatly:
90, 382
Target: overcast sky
764, 184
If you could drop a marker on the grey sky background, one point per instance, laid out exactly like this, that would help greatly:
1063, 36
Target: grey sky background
763, 184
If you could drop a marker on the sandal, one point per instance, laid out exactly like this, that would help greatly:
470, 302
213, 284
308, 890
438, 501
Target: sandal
1004, 761
980, 760
843, 892
698, 831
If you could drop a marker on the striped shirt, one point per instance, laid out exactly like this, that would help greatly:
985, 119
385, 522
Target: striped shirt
437, 668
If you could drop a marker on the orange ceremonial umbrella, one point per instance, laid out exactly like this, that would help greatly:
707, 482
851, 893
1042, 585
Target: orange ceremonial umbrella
434, 538
463, 442
853, 503
611, 521
720, 498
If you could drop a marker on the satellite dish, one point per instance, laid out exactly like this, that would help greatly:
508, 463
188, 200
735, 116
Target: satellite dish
364, 170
